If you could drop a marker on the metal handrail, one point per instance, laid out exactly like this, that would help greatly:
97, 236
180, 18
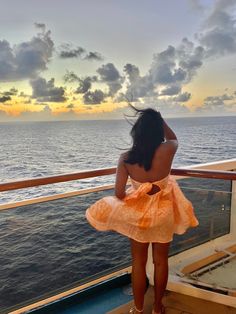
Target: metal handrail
26, 183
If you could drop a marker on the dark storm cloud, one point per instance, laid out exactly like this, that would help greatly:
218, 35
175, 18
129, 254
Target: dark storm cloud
94, 97
26, 59
45, 91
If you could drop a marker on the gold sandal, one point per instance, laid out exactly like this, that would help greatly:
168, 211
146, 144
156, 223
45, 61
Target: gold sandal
134, 310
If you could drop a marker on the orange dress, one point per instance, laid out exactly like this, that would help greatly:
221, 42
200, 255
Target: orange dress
144, 217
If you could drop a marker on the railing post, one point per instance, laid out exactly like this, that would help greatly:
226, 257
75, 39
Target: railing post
212, 228
233, 211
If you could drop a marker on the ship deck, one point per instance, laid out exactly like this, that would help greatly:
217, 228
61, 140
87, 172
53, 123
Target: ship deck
187, 292
179, 303
183, 296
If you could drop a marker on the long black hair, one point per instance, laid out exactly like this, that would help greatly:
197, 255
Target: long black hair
147, 134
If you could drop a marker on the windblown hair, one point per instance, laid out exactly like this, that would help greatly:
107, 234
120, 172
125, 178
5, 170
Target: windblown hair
147, 134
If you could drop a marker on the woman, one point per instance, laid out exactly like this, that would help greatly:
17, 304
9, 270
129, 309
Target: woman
152, 210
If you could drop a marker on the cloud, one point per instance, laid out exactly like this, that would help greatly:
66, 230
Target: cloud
111, 76
174, 67
196, 5
212, 102
108, 73
137, 86
70, 77
41, 26
170, 70
4, 99
12, 92
94, 56
219, 103
45, 91
166, 106
70, 106
43, 115
7, 95
94, 97
67, 52
219, 98
190, 57
27, 59
177, 65
182, 97
219, 37
85, 84
163, 70
171, 90
132, 72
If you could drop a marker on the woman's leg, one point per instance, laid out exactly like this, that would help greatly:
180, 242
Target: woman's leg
139, 259
160, 259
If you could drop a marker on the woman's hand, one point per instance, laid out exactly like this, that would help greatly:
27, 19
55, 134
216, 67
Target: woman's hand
121, 178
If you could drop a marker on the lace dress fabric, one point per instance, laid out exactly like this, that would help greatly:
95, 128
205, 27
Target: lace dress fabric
142, 216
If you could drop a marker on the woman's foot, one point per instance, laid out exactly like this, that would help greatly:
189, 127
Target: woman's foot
134, 310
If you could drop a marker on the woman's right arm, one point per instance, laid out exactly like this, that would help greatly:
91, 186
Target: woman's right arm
171, 139
168, 132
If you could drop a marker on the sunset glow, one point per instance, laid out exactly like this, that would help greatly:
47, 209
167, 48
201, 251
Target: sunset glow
87, 59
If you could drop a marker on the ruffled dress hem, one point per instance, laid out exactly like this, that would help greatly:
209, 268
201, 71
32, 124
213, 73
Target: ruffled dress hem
143, 217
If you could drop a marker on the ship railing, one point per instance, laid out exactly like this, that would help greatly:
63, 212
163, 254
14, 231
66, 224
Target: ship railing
211, 189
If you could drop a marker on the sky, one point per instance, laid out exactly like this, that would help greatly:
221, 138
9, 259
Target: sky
74, 59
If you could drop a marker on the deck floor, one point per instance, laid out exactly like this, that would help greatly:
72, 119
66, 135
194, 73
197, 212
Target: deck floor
176, 303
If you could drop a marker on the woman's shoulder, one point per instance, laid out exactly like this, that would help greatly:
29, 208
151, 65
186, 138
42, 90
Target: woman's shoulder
123, 156
170, 145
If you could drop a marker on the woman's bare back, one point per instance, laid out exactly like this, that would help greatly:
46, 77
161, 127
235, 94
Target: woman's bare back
161, 164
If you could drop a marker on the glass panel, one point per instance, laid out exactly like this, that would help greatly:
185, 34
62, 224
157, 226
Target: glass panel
211, 200
48, 246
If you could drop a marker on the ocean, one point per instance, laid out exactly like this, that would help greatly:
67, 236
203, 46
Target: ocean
49, 246
38, 149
